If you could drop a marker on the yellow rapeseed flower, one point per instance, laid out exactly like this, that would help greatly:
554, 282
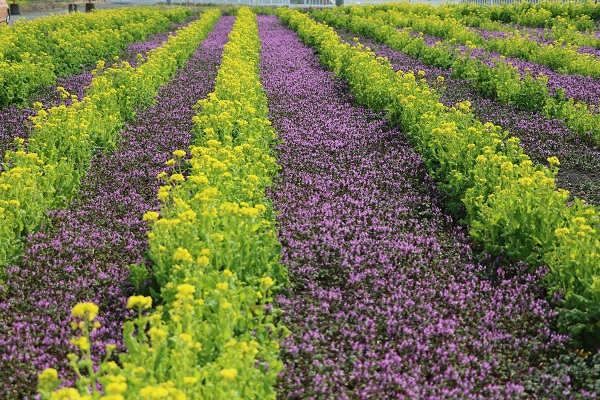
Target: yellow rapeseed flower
185, 337
177, 178
189, 380
182, 254
203, 261
548, 181
112, 397
217, 237
65, 394
153, 392
116, 387
150, 216
249, 212
561, 232
157, 334
586, 228
229, 373
507, 166
189, 215
186, 289
82, 342
225, 305
111, 365
199, 179
553, 161
163, 195
267, 282
80, 310
526, 181
49, 374
179, 153
139, 301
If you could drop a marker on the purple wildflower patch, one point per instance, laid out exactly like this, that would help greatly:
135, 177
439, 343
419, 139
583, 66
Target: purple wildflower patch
539, 136
578, 87
387, 300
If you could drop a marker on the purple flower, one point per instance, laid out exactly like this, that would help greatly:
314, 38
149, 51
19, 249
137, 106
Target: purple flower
387, 299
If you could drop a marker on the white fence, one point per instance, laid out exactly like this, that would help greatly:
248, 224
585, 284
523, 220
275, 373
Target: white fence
290, 3
496, 2
317, 3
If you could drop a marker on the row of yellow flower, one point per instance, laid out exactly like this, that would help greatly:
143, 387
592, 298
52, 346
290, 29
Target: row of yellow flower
46, 174
33, 53
512, 206
564, 27
501, 81
215, 256
544, 14
563, 57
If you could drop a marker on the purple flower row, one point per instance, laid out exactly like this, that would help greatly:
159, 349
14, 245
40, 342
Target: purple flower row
539, 35
14, 121
83, 253
578, 87
387, 300
540, 137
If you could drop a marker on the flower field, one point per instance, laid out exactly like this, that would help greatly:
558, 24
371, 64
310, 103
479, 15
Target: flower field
374, 202
35, 53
